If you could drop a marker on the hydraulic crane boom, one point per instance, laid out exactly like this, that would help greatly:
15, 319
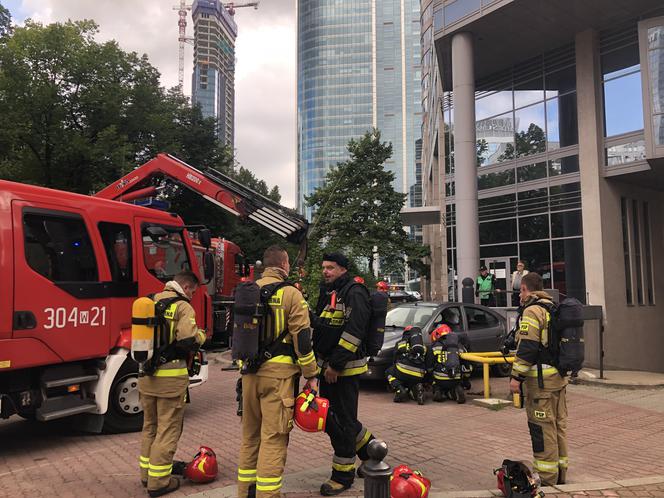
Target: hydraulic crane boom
213, 186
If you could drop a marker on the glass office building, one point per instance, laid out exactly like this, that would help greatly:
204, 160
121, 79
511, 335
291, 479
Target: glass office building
213, 78
358, 68
547, 146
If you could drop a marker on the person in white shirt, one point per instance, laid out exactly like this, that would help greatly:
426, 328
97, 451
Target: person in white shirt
516, 281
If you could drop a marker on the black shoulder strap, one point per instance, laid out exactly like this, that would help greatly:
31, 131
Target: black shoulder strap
269, 290
345, 290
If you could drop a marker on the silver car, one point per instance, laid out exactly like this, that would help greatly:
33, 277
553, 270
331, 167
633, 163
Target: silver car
484, 328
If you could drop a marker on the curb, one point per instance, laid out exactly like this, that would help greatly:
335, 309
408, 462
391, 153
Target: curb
611, 385
231, 491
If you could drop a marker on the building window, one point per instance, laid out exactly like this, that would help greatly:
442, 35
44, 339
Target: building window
637, 252
621, 80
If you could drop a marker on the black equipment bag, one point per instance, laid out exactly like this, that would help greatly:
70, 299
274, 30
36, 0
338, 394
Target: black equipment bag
253, 339
565, 348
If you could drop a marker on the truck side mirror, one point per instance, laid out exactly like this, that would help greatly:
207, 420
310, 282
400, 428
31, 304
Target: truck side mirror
208, 266
205, 237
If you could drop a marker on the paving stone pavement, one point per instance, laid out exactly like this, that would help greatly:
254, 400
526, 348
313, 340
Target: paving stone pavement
611, 437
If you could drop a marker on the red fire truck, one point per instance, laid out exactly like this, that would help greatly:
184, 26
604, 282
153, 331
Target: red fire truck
72, 266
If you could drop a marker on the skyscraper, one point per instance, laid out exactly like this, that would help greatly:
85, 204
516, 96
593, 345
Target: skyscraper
213, 79
358, 67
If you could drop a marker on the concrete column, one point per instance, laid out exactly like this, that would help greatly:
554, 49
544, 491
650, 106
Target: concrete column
465, 157
589, 98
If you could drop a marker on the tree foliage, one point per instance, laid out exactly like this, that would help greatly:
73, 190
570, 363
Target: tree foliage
76, 114
358, 209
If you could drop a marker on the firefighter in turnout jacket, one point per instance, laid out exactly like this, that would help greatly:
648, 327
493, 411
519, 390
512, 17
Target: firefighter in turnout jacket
449, 370
406, 376
340, 325
268, 395
163, 393
545, 398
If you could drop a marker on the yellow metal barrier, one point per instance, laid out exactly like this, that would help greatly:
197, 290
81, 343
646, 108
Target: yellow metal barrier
487, 359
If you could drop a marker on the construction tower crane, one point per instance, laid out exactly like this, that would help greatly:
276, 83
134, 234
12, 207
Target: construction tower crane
182, 38
231, 6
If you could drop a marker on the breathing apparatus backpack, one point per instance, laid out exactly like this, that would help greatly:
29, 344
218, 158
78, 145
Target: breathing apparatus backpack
151, 344
565, 345
378, 302
446, 352
253, 338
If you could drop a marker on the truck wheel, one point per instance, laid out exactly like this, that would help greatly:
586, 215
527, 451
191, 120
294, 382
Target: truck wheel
125, 413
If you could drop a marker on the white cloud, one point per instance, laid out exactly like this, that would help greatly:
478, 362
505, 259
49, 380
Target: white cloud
265, 70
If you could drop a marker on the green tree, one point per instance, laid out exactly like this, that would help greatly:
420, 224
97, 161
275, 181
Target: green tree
531, 141
77, 115
358, 209
5, 21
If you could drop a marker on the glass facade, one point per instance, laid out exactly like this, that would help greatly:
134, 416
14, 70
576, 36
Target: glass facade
656, 70
339, 97
213, 78
528, 171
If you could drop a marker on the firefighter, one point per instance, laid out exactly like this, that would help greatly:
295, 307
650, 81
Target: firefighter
268, 396
163, 393
406, 376
341, 322
448, 369
546, 404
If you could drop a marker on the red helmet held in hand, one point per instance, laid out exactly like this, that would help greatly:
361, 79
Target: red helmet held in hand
203, 468
311, 411
440, 331
408, 483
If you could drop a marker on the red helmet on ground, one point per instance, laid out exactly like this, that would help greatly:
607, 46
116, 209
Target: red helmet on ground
203, 468
311, 411
382, 286
440, 331
408, 483
358, 279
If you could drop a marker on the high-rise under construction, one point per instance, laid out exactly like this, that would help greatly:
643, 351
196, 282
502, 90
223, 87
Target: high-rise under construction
213, 79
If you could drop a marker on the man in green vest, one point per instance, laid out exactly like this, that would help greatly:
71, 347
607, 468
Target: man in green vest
486, 286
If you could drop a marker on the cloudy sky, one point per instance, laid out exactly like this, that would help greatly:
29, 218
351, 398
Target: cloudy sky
265, 72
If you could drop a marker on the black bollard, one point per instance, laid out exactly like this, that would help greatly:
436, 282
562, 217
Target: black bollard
376, 472
468, 290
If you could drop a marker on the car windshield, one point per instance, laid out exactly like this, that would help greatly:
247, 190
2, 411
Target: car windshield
402, 316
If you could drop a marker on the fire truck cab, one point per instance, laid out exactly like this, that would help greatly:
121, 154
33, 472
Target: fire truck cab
72, 265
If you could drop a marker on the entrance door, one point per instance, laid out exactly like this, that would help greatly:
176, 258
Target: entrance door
500, 268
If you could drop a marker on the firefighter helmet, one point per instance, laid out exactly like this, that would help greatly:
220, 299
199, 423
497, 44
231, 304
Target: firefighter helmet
203, 468
408, 483
311, 411
358, 279
382, 286
440, 331
515, 480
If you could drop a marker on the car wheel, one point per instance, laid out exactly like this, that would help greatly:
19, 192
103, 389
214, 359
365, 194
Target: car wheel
125, 413
502, 369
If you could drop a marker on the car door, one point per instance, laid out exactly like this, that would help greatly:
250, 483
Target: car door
484, 328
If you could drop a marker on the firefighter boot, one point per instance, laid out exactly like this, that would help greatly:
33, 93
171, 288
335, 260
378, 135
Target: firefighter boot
333, 488
459, 394
173, 485
400, 395
418, 393
438, 394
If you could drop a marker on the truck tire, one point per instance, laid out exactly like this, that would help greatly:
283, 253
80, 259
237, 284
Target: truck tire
124, 413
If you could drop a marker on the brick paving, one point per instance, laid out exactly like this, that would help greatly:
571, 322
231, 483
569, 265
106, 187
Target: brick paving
456, 446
